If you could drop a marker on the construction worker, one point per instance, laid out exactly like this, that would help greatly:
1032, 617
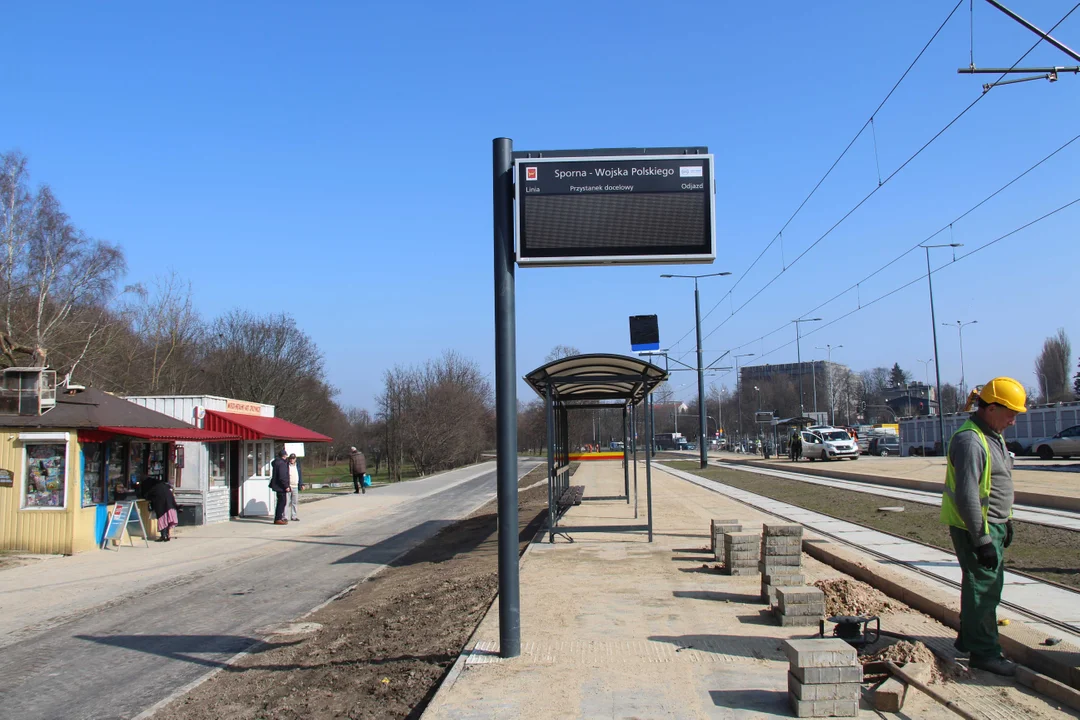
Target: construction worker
977, 507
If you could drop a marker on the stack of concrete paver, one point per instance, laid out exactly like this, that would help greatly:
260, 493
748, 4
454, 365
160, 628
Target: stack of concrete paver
824, 678
717, 530
742, 550
781, 559
799, 606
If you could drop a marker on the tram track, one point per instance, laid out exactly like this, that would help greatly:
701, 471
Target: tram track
769, 505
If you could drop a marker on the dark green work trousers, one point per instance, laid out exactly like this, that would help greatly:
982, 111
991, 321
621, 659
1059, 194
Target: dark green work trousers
980, 593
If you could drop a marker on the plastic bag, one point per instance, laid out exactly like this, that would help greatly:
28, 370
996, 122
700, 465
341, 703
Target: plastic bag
367, 480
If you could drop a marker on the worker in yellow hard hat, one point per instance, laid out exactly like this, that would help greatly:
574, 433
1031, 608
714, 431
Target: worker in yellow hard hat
977, 507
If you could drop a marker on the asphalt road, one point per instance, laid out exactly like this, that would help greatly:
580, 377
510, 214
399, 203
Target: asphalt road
124, 659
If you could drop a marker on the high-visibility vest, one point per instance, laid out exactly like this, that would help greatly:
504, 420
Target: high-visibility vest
949, 514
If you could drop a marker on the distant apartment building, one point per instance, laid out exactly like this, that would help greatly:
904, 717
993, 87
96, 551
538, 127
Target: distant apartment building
911, 399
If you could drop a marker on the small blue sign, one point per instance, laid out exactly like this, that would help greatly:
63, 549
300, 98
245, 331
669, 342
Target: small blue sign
645, 346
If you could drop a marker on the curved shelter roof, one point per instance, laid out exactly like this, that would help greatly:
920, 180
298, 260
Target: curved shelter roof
596, 378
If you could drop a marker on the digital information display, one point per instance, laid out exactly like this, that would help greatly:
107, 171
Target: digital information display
644, 333
598, 210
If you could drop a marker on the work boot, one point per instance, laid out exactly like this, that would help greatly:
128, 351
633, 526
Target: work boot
997, 665
958, 643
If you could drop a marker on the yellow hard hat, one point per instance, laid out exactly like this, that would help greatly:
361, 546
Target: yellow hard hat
1005, 391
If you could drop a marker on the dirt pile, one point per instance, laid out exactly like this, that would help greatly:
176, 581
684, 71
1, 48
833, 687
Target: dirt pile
844, 596
905, 652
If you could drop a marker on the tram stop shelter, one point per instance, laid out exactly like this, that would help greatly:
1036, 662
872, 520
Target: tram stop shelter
584, 382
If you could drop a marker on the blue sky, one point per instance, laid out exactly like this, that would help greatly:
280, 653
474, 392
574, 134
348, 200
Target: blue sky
332, 161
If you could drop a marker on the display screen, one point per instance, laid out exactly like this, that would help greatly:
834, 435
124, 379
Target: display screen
602, 210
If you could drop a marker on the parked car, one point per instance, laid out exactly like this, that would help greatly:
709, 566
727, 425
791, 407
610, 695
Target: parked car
828, 443
1065, 444
884, 445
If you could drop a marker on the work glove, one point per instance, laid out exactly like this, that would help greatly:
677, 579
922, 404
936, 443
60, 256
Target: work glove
1008, 533
987, 555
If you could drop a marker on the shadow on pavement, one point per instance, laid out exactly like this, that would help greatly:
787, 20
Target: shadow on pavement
187, 647
716, 596
760, 648
772, 701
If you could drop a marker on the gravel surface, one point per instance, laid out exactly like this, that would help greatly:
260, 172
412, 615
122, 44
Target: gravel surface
846, 596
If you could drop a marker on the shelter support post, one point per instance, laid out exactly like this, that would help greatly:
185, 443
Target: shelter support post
506, 397
633, 414
549, 416
648, 464
626, 456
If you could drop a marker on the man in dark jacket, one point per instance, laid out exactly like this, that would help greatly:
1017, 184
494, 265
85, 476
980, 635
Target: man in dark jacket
358, 467
279, 483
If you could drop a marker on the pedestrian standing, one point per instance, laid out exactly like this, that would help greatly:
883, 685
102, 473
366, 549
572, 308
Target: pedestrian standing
162, 501
358, 467
296, 484
279, 483
977, 507
796, 444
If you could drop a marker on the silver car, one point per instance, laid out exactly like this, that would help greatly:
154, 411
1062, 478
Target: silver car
1065, 444
825, 443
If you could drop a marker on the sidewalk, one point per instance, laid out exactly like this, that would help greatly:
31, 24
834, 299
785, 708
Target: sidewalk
615, 627
47, 592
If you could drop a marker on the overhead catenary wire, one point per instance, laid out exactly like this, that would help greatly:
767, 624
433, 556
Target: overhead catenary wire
857, 286
907, 284
843, 153
895, 172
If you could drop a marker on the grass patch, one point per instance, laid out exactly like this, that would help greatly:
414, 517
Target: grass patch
1047, 552
339, 472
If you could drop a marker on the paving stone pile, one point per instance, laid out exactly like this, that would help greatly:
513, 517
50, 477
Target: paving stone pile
742, 550
824, 677
781, 559
717, 530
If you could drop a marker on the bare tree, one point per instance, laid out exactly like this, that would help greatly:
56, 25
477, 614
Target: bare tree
561, 351
169, 329
54, 279
1052, 367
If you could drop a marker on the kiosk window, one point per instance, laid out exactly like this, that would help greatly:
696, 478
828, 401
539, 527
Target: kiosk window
219, 463
93, 476
46, 474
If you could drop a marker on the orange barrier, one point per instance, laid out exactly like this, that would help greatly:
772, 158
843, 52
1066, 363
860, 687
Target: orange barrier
578, 457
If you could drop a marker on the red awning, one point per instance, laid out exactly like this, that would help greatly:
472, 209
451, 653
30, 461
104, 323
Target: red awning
171, 434
256, 427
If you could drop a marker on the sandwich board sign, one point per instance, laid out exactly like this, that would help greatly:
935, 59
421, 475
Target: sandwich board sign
124, 514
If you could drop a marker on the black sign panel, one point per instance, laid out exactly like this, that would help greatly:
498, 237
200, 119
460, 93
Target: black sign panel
644, 333
615, 210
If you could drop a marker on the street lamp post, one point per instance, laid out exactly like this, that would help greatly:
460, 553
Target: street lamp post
960, 329
704, 452
828, 349
738, 389
933, 326
798, 351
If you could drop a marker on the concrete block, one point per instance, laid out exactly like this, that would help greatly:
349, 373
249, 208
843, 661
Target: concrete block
781, 552
782, 529
799, 595
820, 653
774, 565
751, 555
820, 675
824, 708
781, 541
890, 695
1048, 686
742, 571
823, 691
741, 538
815, 609
798, 620
785, 579
722, 522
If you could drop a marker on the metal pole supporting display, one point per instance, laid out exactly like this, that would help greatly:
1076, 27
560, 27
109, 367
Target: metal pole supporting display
648, 464
506, 397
